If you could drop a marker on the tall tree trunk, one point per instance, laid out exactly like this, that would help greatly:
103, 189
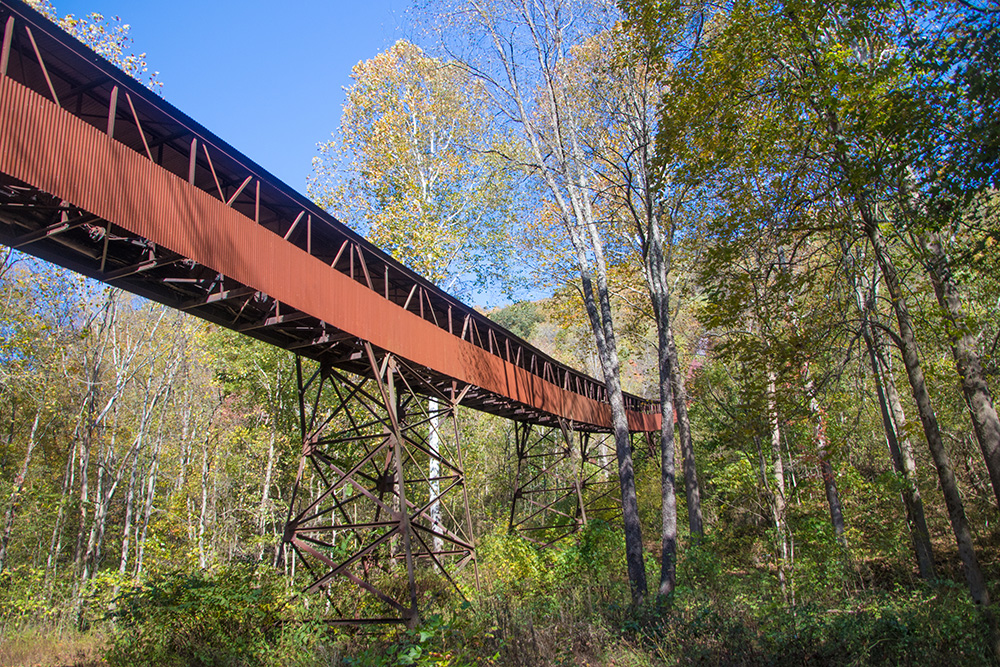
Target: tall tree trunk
602, 324
655, 224
602, 327
554, 150
826, 469
277, 405
668, 474
692, 489
127, 526
656, 281
55, 544
84, 466
778, 498
265, 485
832, 496
102, 500
188, 434
12, 425
15, 496
203, 514
894, 424
901, 452
967, 359
918, 386
147, 511
88, 420
434, 470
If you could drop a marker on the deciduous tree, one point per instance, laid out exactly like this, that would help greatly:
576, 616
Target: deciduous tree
525, 67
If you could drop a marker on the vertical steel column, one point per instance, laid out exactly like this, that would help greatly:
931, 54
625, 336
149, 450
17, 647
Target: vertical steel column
387, 386
456, 398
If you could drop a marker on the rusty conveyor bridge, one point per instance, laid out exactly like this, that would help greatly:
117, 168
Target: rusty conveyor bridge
102, 176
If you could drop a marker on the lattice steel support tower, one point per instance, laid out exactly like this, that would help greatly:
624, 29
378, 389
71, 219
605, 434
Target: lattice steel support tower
563, 477
361, 507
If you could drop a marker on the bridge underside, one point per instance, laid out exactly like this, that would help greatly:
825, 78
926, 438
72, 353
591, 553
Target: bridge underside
100, 176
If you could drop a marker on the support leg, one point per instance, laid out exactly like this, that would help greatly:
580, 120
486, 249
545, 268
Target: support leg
365, 449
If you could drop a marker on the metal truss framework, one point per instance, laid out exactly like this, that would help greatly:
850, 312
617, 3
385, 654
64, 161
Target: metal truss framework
367, 515
564, 477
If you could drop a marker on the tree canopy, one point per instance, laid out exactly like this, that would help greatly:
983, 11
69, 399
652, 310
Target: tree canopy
416, 168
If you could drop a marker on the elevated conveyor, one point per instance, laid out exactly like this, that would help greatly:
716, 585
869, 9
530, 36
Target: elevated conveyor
102, 176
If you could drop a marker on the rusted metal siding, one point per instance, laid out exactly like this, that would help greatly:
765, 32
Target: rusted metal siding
58, 153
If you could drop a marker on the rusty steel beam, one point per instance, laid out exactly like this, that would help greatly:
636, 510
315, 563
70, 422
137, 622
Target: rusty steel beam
56, 228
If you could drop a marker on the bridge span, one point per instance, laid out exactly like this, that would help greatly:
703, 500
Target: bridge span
102, 176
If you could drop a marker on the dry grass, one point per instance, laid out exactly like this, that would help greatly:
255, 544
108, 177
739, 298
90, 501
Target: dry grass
50, 648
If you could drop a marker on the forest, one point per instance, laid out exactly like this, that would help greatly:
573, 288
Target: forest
779, 218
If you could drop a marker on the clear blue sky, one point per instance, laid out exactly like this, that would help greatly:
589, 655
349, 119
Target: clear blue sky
267, 77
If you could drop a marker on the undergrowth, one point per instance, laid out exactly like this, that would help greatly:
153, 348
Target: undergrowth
561, 606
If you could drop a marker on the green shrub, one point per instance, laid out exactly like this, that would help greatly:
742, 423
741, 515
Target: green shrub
435, 643
905, 627
513, 567
229, 617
